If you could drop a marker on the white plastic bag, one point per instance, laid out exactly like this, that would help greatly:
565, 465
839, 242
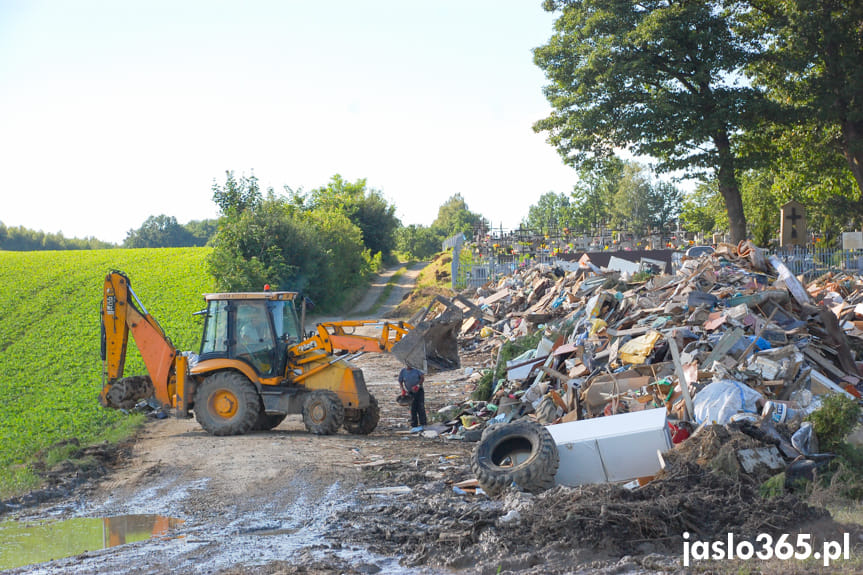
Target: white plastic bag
722, 399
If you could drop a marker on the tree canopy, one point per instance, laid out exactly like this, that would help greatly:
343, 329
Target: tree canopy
656, 78
620, 194
455, 217
19, 238
812, 53
365, 207
552, 211
165, 232
298, 243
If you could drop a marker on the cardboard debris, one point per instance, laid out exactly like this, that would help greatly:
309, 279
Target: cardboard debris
610, 346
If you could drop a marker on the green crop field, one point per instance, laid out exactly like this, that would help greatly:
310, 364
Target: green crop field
50, 367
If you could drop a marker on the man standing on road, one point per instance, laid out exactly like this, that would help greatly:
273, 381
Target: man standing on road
411, 381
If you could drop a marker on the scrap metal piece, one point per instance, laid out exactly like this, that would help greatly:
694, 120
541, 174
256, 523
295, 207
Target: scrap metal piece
432, 342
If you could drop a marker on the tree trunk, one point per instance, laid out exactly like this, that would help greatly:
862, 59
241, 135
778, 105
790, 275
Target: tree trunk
853, 136
729, 189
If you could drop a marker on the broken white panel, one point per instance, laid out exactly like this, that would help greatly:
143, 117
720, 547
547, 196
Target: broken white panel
822, 385
623, 266
567, 266
750, 459
611, 448
646, 262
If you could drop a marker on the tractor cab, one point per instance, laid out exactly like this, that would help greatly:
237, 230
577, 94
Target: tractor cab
256, 328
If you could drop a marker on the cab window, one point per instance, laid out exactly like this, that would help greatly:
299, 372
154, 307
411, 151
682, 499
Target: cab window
285, 320
254, 339
215, 338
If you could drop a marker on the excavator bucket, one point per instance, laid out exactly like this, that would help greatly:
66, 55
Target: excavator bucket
432, 342
125, 393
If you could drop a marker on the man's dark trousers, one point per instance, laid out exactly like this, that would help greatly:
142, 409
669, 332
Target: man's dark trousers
418, 408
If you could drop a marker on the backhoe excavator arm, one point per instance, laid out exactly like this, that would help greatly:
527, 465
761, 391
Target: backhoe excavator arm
342, 335
121, 313
432, 342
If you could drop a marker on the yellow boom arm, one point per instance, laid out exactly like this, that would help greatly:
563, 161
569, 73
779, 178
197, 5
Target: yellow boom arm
121, 313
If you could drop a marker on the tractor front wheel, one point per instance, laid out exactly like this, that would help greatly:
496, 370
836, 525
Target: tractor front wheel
323, 412
227, 403
364, 421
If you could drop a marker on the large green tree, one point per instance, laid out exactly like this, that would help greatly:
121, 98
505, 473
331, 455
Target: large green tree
702, 209
630, 203
418, 242
811, 63
592, 195
160, 231
455, 217
664, 202
659, 78
364, 206
551, 212
276, 240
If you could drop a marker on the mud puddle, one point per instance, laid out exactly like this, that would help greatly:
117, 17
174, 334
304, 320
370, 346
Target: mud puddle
296, 525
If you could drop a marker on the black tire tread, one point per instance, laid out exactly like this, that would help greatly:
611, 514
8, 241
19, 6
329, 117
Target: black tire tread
335, 412
534, 475
247, 395
368, 420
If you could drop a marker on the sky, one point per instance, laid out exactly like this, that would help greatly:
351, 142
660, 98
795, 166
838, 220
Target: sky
113, 111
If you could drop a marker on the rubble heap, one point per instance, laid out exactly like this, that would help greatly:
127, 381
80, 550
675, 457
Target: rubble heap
736, 326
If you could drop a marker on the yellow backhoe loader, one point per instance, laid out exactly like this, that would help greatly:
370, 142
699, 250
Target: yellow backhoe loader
255, 367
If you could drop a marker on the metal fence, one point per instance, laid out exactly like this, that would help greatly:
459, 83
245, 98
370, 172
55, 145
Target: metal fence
813, 262
480, 271
801, 260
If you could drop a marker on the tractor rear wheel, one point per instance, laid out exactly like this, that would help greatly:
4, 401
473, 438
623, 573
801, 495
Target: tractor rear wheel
366, 420
323, 412
227, 403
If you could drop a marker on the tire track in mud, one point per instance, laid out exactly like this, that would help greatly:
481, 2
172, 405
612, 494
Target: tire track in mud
251, 502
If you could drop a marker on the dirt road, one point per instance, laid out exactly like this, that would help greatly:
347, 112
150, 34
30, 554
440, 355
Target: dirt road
401, 287
248, 501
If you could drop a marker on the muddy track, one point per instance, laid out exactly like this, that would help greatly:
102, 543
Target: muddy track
248, 501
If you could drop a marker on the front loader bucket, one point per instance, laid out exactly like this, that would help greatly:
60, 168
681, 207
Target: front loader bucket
433, 342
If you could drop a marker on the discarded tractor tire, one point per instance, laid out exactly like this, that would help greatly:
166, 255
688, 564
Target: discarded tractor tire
522, 453
323, 412
227, 403
366, 420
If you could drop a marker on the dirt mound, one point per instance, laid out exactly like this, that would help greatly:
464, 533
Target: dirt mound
81, 466
417, 300
699, 492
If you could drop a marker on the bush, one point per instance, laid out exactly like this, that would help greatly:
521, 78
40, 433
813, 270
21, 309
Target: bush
509, 350
834, 421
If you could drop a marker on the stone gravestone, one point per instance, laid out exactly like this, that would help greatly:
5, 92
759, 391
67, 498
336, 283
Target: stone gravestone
852, 240
793, 225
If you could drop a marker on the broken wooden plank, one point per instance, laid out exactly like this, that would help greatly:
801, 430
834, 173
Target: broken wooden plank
792, 283
681, 376
815, 356
562, 377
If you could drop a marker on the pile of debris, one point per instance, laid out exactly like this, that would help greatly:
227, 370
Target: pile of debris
732, 336
702, 491
715, 367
